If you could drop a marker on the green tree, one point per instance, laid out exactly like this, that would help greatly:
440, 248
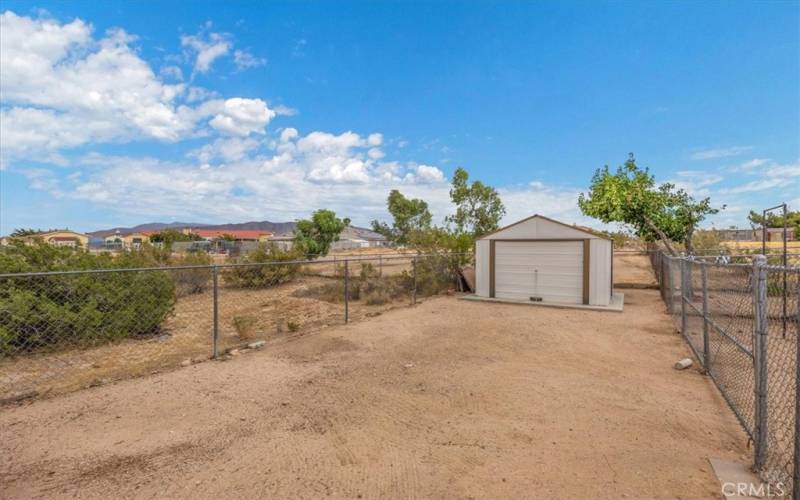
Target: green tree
170, 236
315, 236
410, 217
775, 219
478, 206
630, 196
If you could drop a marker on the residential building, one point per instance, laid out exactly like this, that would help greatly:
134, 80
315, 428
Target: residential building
63, 238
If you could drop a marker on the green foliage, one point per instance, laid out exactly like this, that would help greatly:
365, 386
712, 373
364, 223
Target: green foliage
478, 206
315, 236
775, 219
410, 218
263, 276
170, 236
22, 232
77, 309
630, 196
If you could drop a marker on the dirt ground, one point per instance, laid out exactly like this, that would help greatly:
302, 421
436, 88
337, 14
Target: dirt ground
449, 398
633, 269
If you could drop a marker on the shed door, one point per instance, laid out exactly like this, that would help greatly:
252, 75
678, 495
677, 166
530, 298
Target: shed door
552, 270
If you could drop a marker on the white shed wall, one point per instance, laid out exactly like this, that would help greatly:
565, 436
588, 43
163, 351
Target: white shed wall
599, 272
482, 268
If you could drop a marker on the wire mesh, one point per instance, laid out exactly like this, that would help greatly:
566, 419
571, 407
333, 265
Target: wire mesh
783, 325
717, 312
61, 331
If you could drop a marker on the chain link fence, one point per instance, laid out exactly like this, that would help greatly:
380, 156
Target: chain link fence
61, 331
742, 322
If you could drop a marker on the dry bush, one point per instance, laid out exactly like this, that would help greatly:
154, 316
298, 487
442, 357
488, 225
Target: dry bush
244, 326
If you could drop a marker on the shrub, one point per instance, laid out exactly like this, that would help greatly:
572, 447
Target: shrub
434, 274
244, 326
77, 309
263, 276
292, 326
192, 281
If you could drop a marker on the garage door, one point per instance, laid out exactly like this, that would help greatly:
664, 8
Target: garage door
552, 270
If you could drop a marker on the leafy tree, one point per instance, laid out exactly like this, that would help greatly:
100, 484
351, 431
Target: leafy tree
170, 236
478, 206
410, 216
630, 196
315, 236
775, 219
22, 232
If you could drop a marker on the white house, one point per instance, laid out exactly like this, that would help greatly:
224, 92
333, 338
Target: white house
542, 260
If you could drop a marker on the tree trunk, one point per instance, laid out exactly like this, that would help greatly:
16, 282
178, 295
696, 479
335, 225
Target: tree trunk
687, 242
661, 236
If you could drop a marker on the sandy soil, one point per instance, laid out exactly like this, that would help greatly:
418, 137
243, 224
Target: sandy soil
633, 269
187, 335
446, 399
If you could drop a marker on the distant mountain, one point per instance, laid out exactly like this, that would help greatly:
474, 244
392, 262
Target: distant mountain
264, 225
274, 227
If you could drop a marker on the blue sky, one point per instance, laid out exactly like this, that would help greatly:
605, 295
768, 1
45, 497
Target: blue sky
117, 113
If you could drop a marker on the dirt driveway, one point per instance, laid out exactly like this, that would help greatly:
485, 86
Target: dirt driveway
446, 399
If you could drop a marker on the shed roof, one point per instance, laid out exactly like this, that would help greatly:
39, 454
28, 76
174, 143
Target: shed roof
587, 231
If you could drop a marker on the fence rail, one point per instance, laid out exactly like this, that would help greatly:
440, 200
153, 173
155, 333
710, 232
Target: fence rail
742, 323
64, 330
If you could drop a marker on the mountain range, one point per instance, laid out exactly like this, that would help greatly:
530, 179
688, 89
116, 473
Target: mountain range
265, 225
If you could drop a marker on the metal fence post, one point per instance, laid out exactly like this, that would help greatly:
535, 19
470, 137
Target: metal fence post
706, 353
683, 297
760, 358
346, 291
215, 338
414, 272
796, 474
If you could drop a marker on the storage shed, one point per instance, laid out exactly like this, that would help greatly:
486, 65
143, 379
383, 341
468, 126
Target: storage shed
542, 260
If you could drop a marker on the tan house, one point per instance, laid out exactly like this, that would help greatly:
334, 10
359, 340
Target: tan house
130, 241
63, 238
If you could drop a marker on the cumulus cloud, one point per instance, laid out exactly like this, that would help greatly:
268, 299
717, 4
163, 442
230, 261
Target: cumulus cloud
64, 87
206, 49
238, 116
61, 88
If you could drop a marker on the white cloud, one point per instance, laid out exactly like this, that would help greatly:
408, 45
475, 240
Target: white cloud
244, 60
238, 116
376, 153
759, 185
709, 154
375, 139
227, 149
789, 172
752, 164
427, 174
206, 49
171, 71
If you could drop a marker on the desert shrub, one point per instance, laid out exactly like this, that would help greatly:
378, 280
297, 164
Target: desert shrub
707, 242
292, 326
244, 326
77, 309
434, 274
192, 281
263, 276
